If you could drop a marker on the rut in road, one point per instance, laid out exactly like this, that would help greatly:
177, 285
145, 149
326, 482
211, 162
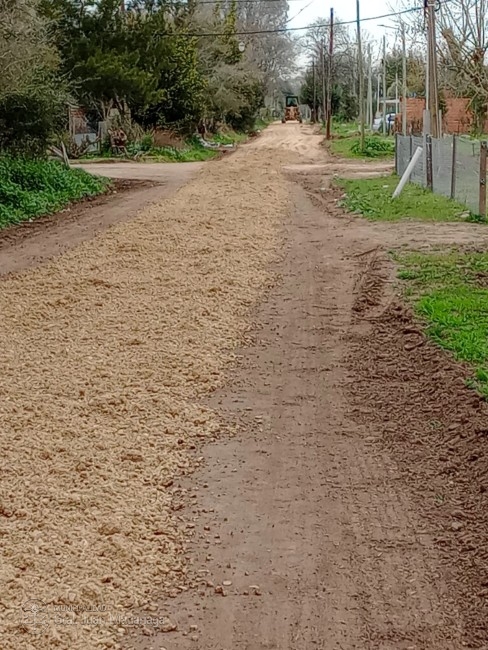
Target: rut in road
304, 534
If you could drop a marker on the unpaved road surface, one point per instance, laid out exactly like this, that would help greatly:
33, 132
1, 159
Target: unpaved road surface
139, 186
236, 432
172, 175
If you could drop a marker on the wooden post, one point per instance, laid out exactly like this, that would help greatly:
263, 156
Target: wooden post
396, 153
329, 76
428, 160
324, 98
483, 157
404, 81
361, 78
453, 169
314, 112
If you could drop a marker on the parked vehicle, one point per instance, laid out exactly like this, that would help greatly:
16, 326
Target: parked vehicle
378, 123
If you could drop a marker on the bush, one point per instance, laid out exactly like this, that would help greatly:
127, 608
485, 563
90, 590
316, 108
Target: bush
30, 119
31, 188
374, 147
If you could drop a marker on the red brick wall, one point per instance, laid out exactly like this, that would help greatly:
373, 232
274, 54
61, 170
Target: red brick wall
457, 118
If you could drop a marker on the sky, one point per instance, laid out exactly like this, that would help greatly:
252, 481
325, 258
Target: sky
304, 12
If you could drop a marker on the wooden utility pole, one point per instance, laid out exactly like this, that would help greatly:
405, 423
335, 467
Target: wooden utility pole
314, 112
329, 76
433, 96
384, 85
324, 98
361, 76
404, 80
369, 108
378, 95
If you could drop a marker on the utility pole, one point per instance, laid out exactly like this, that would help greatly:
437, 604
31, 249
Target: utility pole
314, 111
324, 98
384, 85
361, 76
378, 95
404, 75
329, 76
433, 97
369, 107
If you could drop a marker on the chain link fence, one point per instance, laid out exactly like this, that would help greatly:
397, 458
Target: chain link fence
452, 166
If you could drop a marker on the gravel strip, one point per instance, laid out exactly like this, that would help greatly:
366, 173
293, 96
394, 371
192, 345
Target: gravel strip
107, 354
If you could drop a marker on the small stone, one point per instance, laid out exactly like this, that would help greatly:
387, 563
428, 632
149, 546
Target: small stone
147, 631
169, 627
219, 589
457, 525
193, 628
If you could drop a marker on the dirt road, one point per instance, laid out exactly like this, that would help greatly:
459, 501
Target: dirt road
235, 415
138, 187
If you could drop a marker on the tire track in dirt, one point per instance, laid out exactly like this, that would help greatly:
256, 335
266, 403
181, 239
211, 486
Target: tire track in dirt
303, 532
413, 396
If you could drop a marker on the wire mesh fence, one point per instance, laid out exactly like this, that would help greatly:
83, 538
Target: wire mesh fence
452, 166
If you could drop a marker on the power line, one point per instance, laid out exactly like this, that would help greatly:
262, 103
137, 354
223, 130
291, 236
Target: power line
281, 30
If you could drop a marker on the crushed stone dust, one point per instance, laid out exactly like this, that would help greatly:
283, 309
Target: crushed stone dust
106, 353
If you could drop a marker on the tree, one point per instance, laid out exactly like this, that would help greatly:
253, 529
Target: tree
462, 50
344, 77
32, 97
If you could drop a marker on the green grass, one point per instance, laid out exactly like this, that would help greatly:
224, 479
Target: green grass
449, 291
376, 146
32, 188
372, 197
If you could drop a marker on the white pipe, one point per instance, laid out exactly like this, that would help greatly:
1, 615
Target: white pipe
408, 172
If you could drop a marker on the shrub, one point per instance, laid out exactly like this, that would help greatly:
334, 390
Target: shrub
374, 147
31, 188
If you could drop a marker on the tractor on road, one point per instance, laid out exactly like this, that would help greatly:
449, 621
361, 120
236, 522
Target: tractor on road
292, 110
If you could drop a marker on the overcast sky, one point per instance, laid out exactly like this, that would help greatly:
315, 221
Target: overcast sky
303, 13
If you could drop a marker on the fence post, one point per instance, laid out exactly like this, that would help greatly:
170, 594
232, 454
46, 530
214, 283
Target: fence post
411, 147
483, 157
428, 161
453, 168
396, 153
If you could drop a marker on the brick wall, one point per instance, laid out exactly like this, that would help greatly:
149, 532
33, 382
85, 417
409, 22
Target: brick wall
457, 118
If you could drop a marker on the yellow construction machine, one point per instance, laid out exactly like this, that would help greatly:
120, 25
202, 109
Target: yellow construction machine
292, 110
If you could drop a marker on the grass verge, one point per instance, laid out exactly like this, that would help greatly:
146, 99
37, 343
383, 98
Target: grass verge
449, 291
32, 188
372, 197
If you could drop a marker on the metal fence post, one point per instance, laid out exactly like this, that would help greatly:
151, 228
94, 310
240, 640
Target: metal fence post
453, 168
483, 157
428, 161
